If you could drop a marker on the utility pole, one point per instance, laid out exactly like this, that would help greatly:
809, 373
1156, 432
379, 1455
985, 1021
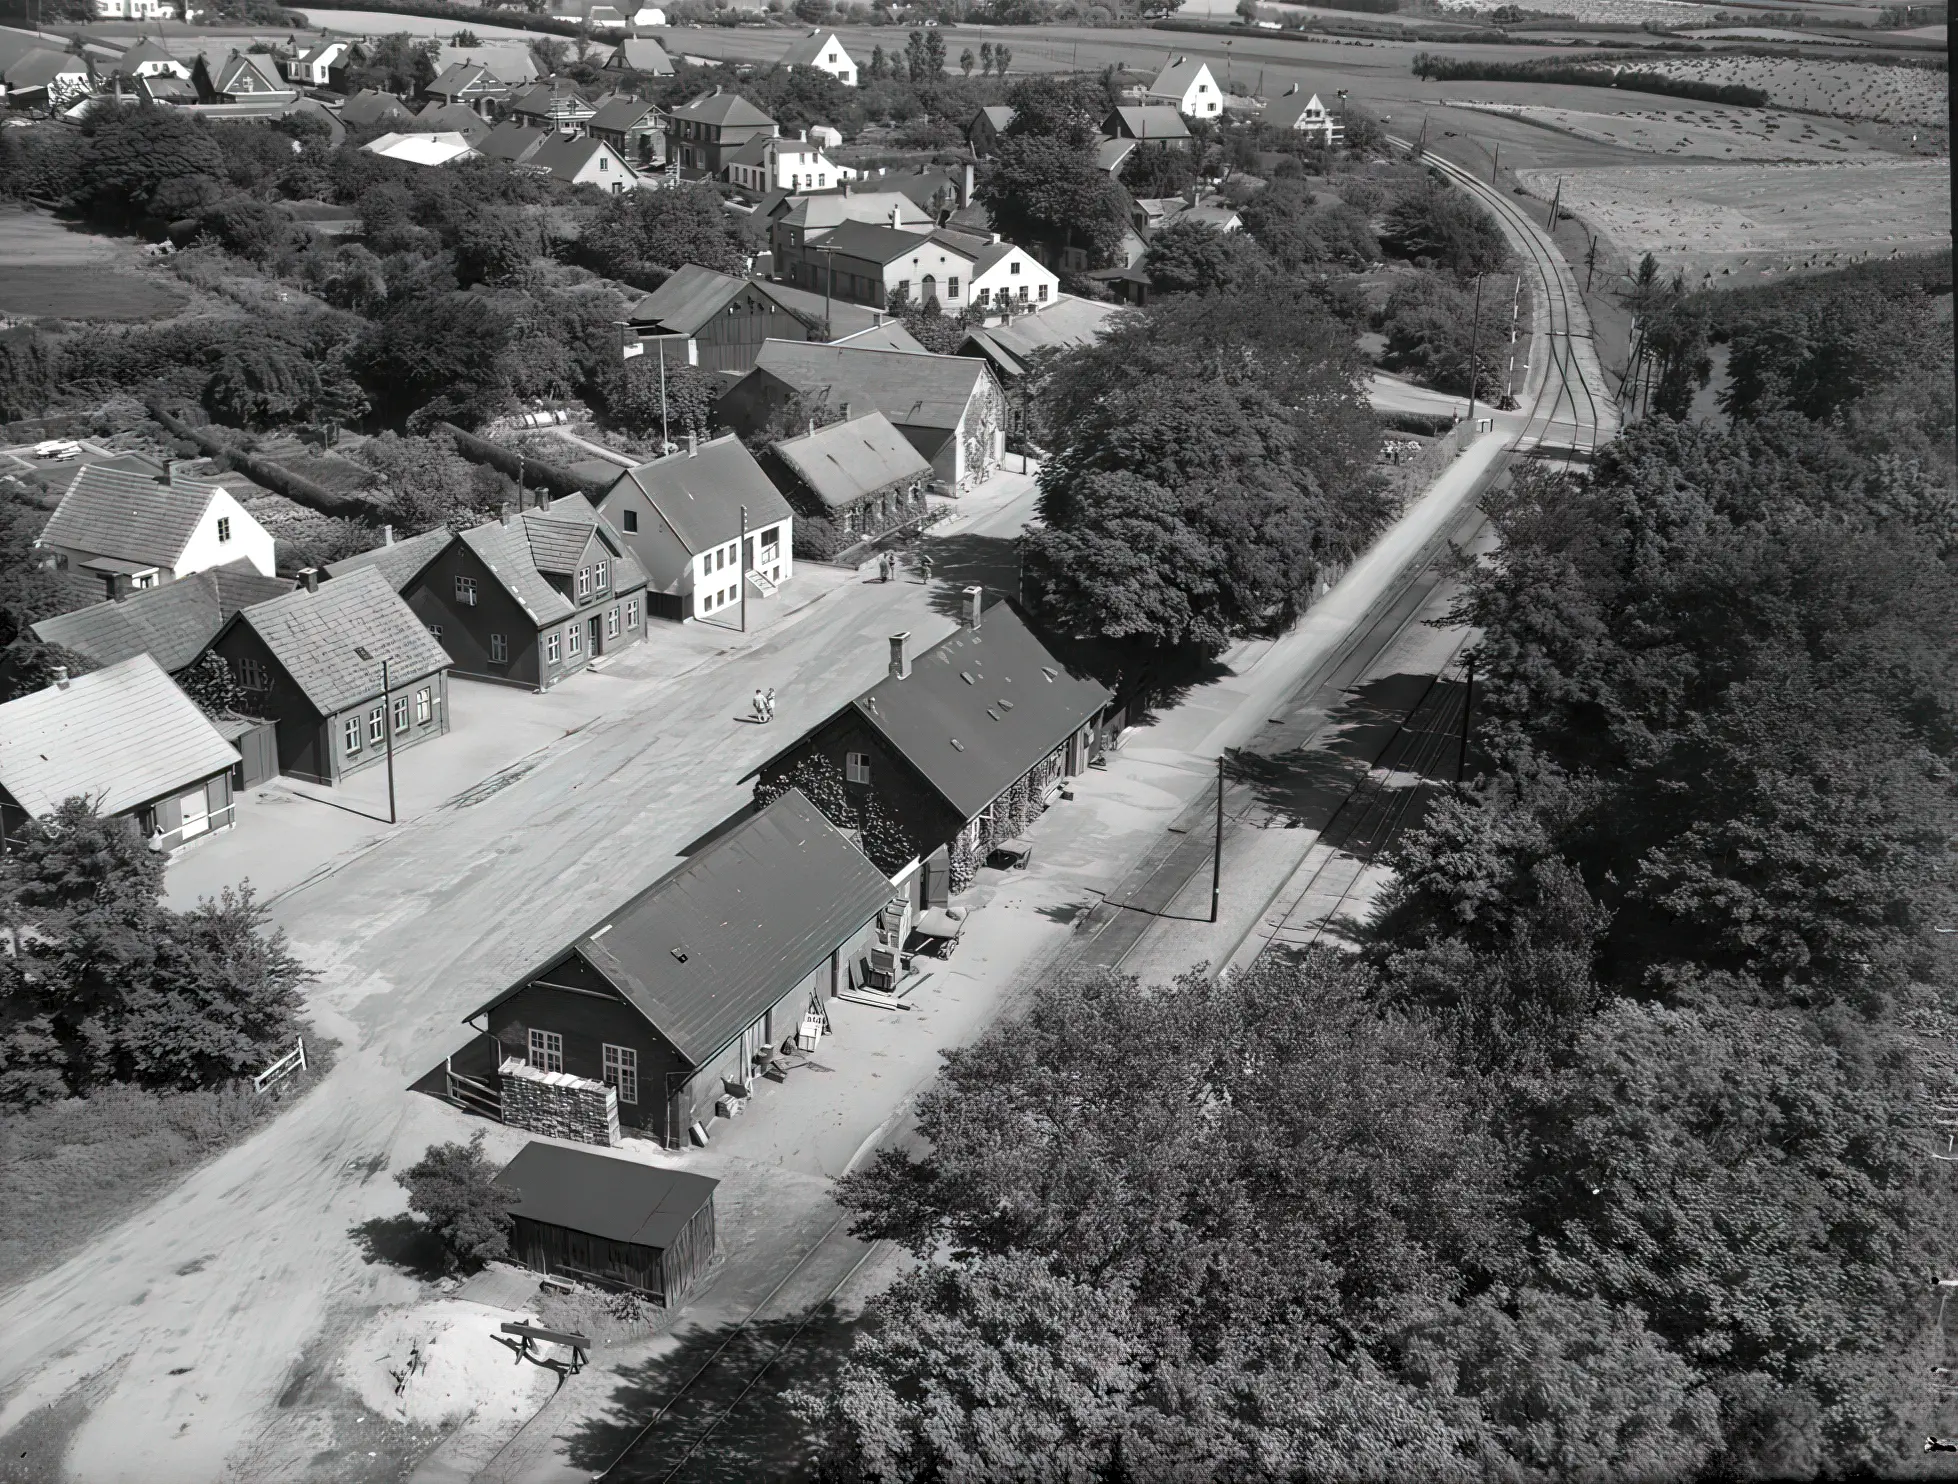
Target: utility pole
1475, 326
1556, 204
1421, 140
741, 568
387, 719
665, 441
1591, 262
1468, 705
1217, 848
1495, 162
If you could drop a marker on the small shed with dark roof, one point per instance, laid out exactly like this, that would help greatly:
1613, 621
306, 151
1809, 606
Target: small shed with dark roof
694, 983
311, 662
616, 1221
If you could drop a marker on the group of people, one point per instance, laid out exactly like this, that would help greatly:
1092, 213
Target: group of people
889, 564
764, 704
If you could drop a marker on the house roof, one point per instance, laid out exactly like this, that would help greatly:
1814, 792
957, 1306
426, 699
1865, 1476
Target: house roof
421, 149
319, 52
513, 142
704, 951
617, 115
39, 67
564, 155
398, 562
1153, 121
370, 106
458, 77
980, 708
119, 736
539, 544
620, 1200
844, 319
1177, 76
1067, 322
754, 152
808, 50
877, 244
114, 513
171, 623
454, 118
143, 51
998, 115
1223, 218
1286, 110
699, 495
816, 213
250, 73
642, 54
911, 390
314, 637
509, 63
890, 335
1110, 153
547, 99
846, 461
687, 301
722, 108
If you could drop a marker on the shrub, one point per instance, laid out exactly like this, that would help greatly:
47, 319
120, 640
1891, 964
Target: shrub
452, 1189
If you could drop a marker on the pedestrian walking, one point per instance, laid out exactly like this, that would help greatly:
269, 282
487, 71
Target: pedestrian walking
761, 705
884, 567
924, 567
769, 699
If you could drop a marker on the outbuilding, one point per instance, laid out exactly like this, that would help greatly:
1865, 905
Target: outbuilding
615, 1221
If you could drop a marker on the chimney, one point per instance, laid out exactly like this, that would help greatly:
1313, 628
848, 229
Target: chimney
310, 578
387, 535
965, 186
117, 584
60, 673
901, 655
975, 602
543, 499
894, 219
693, 443
505, 514
844, 408
174, 470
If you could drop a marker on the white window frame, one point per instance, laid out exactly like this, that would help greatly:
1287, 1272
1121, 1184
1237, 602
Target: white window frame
632, 613
350, 736
400, 707
499, 650
224, 528
466, 591
584, 582
252, 674
612, 622
424, 705
620, 1070
553, 647
856, 767
601, 577
574, 643
377, 725
546, 1051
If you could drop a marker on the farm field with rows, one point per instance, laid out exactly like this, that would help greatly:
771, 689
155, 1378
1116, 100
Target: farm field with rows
1845, 89
1702, 133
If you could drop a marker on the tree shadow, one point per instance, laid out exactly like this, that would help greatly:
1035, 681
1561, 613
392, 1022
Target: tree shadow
712, 1431
967, 559
401, 1242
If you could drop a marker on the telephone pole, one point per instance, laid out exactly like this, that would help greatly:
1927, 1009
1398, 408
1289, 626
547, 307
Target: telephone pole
1556, 204
1217, 847
1495, 162
1475, 325
1468, 705
741, 568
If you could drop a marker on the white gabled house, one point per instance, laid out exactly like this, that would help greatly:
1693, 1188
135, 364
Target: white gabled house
822, 51
313, 68
1304, 114
793, 165
134, 531
584, 161
1186, 85
1003, 274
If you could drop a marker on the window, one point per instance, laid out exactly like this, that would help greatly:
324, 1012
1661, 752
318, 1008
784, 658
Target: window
547, 1051
224, 528
377, 724
553, 647
466, 591
720, 558
252, 674
856, 767
603, 163
1012, 267
631, 520
424, 706
980, 296
400, 714
435, 630
904, 286
632, 613
1023, 293
1043, 293
612, 623
584, 582
499, 649
602, 576
571, 640
952, 287
351, 735
622, 1071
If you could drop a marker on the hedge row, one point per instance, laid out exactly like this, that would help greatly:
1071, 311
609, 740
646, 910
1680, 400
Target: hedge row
554, 477
1423, 424
1429, 67
439, 10
275, 477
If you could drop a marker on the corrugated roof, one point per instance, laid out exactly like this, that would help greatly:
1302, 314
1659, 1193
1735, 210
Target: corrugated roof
620, 1200
724, 109
687, 301
911, 390
110, 512
714, 943
314, 637
846, 461
995, 690
171, 623
118, 737
700, 495
400, 562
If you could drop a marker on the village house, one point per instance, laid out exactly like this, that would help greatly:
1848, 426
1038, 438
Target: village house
713, 320
640, 54
41, 76
982, 134
135, 531
127, 740
1004, 275
796, 222
949, 407
777, 164
552, 105
822, 51
529, 598
581, 160
682, 516
421, 149
249, 77
506, 59
372, 106
1112, 154
619, 1222
471, 85
1303, 113
701, 135
513, 143
1186, 85
635, 129
146, 59
1010, 345
877, 265
313, 67
1150, 124
312, 662
171, 624
450, 118
860, 473
679, 998
954, 751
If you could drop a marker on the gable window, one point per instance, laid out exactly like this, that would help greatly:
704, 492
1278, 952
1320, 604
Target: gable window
252, 674
377, 724
856, 767
631, 520
547, 1051
224, 528
466, 591
435, 630
1012, 267
621, 1066
424, 706
499, 649
602, 576
553, 647
400, 714
351, 735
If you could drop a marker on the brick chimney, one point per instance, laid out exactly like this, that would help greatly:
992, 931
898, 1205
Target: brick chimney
901, 655
174, 470
975, 603
505, 514
60, 673
965, 186
309, 577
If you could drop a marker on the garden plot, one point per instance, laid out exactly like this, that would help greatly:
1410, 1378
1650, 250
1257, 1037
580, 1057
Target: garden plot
1844, 89
1613, 12
1705, 132
1722, 223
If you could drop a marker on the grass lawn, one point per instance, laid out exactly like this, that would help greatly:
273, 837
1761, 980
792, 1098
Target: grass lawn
82, 291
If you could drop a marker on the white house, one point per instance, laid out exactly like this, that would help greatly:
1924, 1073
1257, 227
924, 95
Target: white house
134, 530
313, 68
1186, 85
822, 51
794, 165
135, 10
583, 160
421, 149
1305, 113
649, 16
147, 59
1003, 274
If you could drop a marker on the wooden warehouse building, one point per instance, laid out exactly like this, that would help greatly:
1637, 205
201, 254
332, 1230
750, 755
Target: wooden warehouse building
597, 1217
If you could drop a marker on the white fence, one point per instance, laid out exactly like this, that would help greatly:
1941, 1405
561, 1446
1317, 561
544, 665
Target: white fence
293, 1061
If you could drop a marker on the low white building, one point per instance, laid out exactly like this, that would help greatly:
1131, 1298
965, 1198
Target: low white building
138, 531
421, 149
313, 68
822, 51
1003, 274
583, 160
1186, 85
793, 165
1305, 114
650, 16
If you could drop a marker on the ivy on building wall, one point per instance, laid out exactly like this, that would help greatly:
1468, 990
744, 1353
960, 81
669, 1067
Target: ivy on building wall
884, 837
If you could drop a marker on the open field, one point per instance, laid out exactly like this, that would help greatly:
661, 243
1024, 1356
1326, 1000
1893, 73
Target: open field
1703, 132
1608, 12
1716, 222
48, 268
1862, 90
